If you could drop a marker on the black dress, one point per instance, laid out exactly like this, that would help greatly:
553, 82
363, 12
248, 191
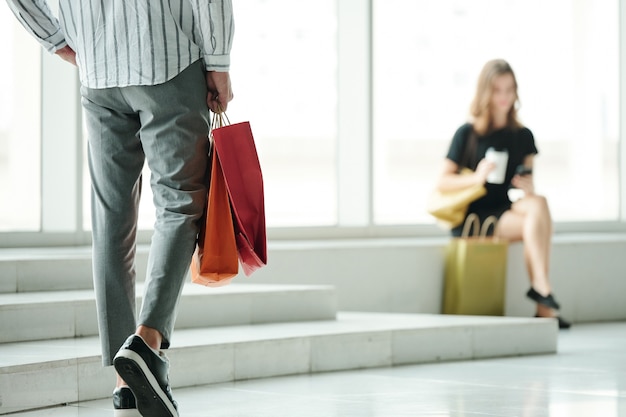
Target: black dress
519, 143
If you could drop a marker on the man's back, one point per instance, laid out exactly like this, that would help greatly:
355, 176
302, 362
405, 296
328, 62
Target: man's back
121, 43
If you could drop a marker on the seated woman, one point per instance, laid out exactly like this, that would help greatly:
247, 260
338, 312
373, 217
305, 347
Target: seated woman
495, 125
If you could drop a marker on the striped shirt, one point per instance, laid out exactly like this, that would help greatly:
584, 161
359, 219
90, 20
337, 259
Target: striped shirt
120, 43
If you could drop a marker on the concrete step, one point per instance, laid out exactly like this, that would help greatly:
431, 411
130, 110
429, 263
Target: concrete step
51, 269
70, 370
65, 314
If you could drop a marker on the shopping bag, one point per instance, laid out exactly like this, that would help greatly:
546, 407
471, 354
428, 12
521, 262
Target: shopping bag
234, 145
475, 271
450, 207
215, 261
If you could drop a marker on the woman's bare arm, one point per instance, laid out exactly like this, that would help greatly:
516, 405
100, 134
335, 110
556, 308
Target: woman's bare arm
450, 180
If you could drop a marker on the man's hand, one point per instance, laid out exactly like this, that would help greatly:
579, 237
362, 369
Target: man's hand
67, 54
220, 91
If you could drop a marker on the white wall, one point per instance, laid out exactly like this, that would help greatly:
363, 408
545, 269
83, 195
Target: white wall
588, 274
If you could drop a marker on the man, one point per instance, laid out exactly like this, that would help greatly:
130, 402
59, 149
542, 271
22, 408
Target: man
149, 70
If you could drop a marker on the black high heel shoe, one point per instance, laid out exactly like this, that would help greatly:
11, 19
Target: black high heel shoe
547, 301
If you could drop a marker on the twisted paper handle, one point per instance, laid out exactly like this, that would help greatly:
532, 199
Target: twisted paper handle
474, 221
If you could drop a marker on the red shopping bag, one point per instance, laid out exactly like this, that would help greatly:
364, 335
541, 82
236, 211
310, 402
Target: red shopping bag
234, 146
214, 263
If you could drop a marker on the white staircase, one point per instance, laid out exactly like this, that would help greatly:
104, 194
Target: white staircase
50, 354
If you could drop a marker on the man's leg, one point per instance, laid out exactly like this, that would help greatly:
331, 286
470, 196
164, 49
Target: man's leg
174, 135
115, 161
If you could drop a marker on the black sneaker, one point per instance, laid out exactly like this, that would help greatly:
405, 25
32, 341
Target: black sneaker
124, 404
146, 373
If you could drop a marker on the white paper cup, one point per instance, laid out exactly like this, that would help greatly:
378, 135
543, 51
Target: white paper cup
500, 159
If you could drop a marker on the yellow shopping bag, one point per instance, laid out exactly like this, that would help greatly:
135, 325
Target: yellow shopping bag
475, 271
450, 208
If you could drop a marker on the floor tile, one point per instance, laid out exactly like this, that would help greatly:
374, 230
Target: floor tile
586, 378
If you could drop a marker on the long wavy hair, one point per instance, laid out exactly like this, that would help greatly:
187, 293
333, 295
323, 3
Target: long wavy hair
480, 109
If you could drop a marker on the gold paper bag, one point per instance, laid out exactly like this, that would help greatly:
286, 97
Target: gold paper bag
475, 273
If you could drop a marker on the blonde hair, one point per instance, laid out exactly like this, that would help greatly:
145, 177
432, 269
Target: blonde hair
480, 109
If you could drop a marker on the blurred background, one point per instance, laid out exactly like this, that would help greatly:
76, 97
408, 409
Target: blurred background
353, 105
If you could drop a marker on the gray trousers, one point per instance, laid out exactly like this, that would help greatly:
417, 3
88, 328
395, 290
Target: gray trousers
167, 126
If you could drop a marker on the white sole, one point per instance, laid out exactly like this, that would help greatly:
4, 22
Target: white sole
129, 412
136, 359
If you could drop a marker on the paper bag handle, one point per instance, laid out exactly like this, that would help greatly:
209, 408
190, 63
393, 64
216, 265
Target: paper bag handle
472, 220
219, 120
491, 220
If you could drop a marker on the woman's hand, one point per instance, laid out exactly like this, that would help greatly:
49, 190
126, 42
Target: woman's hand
524, 183
482, 170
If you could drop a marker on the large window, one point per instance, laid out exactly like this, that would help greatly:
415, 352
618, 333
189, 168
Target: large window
353, 105
20, 87
427, 56
284, 66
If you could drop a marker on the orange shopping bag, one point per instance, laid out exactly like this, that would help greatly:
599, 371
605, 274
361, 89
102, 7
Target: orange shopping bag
214, 262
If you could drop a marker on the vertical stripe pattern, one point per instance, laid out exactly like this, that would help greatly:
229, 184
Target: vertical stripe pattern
121, 43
